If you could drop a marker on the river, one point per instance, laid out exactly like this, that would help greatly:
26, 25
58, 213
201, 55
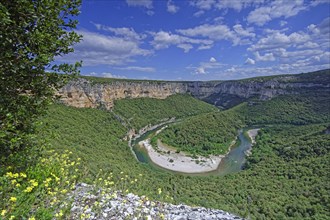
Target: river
232, 162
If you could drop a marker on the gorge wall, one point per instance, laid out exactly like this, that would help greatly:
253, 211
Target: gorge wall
84, 92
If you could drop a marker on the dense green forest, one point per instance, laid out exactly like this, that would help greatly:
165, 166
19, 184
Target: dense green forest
212, 133
285, 178
204, 134
141, 112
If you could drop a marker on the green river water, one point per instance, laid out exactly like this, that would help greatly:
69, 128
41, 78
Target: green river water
232, 162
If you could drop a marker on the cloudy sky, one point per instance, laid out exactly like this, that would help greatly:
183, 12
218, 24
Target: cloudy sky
202, 39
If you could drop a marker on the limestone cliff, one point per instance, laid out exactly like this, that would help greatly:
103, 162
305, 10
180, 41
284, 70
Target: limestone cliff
84, 93
87, 93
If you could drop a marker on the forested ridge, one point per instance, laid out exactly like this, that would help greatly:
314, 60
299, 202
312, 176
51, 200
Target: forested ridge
141, 112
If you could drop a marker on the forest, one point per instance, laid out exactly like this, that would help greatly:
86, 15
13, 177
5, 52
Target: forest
284, 178
47, 149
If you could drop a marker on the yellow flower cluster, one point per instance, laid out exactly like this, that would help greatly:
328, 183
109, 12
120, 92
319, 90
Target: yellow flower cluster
44, 184
33, 184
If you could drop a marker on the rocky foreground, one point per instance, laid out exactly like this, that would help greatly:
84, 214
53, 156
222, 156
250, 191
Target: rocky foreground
92, 203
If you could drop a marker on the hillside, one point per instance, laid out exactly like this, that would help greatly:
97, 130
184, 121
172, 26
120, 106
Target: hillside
212, 133
292, 151
285, 177
279, 159
142, 112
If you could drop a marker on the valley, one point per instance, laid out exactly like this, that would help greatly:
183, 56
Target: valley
284, 177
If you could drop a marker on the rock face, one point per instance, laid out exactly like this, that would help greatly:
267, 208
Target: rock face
92, 203
85, 93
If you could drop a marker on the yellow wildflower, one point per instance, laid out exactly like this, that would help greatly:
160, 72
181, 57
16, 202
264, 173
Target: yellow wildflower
34, 183
13, 182
159, 191
60, 214
22, 175
18, 185
12, 217
3, 212
9, 174
31, 218
13, 199
28, 189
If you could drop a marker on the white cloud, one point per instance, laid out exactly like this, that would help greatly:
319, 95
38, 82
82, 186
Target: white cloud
140, 3
186, 47
237, 5
199, 13
200, 70
265, 57
308, 44
171, 7
213, 60
137, 68
231, 70
150, 12
164, 39
203, 4
97, 49
276, 9
317, 2
250, 61
219, 32
127, 33
207, 67
106, 75
283, 23
232, 4
214, 32
324, 26
276, 40
243, 32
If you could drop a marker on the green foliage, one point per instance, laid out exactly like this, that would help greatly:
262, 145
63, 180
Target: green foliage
281, 182
207, 134
309, 107
32, 33
145, 111
39, 192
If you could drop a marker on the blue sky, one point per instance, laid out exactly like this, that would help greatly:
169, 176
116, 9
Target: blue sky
202, 39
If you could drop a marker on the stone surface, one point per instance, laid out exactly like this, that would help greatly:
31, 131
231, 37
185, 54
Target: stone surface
107, 206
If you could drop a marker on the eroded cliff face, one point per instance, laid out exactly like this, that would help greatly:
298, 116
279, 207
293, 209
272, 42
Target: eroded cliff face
84, 93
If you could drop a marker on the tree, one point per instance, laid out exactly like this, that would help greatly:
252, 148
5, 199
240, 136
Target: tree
32, 34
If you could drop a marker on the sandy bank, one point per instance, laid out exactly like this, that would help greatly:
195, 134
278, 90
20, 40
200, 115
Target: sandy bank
252, 134
167, 158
